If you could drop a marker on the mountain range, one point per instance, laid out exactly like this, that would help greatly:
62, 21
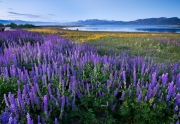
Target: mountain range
147, 21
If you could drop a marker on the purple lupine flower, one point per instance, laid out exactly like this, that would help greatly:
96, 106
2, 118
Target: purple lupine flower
177, 122
116, 92
43, 121
134, 77
138, 61
43, 79
108, 83
122, 64
73, 103
85, 92
37, 88
178, 81
63, 84
122, 96
6, 101
28, 118
105, 59
176, 108
159, 93
13, 103
10, 121
127, 67
5, 117
114, 107
22, 77
32, 122
124, 76
155, 89
171, 89
164, 79
108, 91
119, 85
73, 80
177, 102
62, 101
39, 119
59, 96
56, 121
102, 95
35, 79
15, 121
48, 72
168, 97
31, 98
145, 99
154, 106
6, 72
46, 104
55, 100
87, 86
44, 68
139, 97
99, 92
103, 86
142, 81
138, 89
153, 81
79, 94
143, 67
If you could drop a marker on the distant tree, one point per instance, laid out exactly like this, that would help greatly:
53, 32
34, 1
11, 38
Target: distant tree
1, 25
26, 26
12, 25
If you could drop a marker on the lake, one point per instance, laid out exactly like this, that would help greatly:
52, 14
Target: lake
128, 28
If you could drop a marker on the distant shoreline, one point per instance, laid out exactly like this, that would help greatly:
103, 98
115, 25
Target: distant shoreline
66, 28
124, 28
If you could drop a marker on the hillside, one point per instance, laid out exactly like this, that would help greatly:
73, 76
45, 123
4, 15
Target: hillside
148, 21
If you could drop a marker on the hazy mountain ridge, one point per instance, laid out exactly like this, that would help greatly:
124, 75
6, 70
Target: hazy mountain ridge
148, 21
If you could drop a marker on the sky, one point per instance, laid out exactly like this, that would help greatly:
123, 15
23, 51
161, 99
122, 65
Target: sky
74, 10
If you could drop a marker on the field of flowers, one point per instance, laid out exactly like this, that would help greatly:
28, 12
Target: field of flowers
165, 46
48, 78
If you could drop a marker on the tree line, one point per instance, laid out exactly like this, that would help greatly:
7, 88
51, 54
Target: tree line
14, 25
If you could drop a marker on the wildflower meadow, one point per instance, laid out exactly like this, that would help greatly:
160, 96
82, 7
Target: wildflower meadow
52, 79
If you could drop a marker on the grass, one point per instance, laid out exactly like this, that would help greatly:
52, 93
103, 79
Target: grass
164, 46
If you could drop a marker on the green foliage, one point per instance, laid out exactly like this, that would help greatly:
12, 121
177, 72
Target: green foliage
7, 86
12, 25
1, 25
160, 46
94, 74
26, 26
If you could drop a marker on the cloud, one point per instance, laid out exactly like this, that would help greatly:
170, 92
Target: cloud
10, 8
25, 15
51, 15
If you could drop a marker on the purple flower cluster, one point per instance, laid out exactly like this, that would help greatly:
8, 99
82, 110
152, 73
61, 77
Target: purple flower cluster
52, 74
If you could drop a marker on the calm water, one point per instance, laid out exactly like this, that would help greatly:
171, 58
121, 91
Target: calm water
128, 28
